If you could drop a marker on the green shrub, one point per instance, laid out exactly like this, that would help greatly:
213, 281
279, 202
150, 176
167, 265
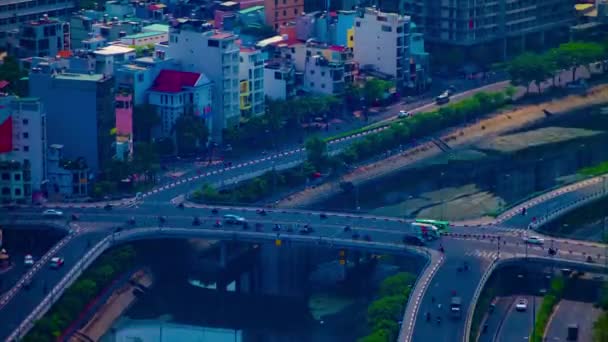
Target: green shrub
76, 297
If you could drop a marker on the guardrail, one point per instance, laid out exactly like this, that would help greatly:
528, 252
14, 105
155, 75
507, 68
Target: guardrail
142, 233
499, 262
554, 214
59, 289
473, 303
413, 304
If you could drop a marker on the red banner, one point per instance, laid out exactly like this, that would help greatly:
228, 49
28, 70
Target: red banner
6, 135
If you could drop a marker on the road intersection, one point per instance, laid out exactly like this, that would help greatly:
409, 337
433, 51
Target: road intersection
479, 245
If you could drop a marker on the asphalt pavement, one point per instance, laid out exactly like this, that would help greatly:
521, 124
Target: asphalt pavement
569, 312
517, 325
495, 320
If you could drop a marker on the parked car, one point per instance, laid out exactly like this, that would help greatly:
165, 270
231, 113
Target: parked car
57, 262
52, 213
28, 260
521, 304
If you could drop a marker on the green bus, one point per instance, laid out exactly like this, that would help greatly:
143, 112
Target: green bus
443, 226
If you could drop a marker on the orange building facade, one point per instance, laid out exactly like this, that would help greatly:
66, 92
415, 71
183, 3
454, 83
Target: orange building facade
280, 12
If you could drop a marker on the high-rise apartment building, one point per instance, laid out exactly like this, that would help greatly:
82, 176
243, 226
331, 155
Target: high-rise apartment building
23, 167
382, 44
16, 12
200, 48
502, 25
44, 37
280, 12
80, 112
251, 77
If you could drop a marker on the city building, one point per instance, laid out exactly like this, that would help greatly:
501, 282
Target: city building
80, 112
279, 79
16, 12
110, 57
251, 78
113, 29
322, 76
137, 76
281, 12
40, 38
252, 16
501, 27
175, 93
189, 41
337, 54
381, 44
124, 125
23, 165
145, 38
333, 28
65, 177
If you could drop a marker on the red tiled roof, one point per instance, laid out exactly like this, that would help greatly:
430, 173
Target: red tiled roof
172, 81
338, 48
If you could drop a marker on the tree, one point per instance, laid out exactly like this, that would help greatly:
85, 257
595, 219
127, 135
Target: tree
375, 90
145, 159
528, 67
10, 71
398, 284
600, 328
376, 336
145, 118
316, 151
386, 308
574, 54
190, 133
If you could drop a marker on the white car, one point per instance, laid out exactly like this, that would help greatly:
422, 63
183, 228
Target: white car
521, 305
403, 114
234, 219
533, 240
56, 262
52, 213
28, 261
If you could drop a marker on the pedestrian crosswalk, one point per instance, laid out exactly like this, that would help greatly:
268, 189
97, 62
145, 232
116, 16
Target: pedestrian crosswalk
482, 254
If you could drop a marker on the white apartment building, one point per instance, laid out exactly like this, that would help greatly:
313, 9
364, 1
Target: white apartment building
251, 77
322, 76
200, 48
279, 80
382, 44
28, 155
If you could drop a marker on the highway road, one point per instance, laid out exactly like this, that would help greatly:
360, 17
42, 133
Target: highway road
477, 246
517, 325
569, 312
495, 320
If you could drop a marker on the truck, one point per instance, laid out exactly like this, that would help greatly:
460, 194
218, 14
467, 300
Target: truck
455, 307
417, 233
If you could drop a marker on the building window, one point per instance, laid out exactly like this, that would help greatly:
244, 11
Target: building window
284, 12
322, 73
17, 192
386, 28
322, 85
6, 176
295, 11
312, 72
358, 23
312, 84
17, 176
26, 148
213, 43
26, 135
6, 191
25, 122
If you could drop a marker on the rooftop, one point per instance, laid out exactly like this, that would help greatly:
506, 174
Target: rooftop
222, 35
251, 9
173, 81
114, 50
42, 21
143, 35
156, 28
79, 77
544, 136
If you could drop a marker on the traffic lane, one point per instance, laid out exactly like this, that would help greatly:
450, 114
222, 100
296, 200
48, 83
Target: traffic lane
570, 312
517, 325
552, 204
495, 319
446, 281
24, 302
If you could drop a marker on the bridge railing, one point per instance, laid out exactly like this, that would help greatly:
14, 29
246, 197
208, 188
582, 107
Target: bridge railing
59, 289
480, 286
413, 304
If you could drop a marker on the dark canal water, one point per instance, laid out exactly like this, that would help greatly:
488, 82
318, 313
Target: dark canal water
302, 294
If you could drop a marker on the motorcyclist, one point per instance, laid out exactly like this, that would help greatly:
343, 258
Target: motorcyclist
428, 316
438, 320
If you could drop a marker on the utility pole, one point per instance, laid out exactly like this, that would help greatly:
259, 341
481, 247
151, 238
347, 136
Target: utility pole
605, 246
498, 248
